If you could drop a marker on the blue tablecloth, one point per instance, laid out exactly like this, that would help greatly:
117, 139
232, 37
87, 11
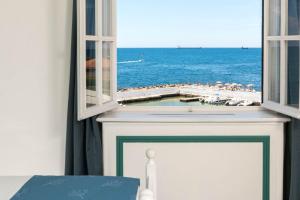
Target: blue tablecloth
78, 188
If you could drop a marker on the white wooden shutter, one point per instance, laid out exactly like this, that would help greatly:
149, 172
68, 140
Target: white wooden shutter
281, 56
97, 54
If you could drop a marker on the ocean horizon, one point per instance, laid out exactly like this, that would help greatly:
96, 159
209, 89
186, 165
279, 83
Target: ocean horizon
141, 67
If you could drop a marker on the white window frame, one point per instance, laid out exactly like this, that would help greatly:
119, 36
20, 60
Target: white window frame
95, 97
281, 107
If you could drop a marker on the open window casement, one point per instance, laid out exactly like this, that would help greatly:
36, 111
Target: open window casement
96, 68
281, 56
97, 72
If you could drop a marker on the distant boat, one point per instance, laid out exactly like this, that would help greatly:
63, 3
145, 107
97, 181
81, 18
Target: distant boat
245, 48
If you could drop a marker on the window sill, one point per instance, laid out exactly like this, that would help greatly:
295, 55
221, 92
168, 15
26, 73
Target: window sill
192, 115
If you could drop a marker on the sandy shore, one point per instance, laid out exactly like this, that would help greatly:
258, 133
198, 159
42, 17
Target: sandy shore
233, 94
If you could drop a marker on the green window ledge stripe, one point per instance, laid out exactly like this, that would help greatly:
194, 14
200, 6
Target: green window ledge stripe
265, 140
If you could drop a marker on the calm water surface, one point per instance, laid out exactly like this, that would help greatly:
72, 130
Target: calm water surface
154, 66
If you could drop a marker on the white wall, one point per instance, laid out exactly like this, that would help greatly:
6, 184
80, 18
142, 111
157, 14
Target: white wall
34, 73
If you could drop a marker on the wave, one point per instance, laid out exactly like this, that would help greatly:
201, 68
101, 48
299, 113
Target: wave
130, 61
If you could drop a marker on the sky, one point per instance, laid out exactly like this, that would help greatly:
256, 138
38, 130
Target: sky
189, 23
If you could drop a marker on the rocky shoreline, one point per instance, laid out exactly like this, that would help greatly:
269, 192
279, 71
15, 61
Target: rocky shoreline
229, 94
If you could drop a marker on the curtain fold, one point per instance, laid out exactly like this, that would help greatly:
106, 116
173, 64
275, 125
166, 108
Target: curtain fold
292, 161
84, 138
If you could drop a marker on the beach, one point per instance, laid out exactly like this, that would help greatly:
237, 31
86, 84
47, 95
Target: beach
229, 94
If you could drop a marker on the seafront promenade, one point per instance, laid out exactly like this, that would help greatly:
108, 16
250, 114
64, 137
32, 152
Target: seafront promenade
230, 94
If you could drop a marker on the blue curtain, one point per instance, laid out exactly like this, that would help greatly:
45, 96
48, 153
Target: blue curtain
292, 161
84, 138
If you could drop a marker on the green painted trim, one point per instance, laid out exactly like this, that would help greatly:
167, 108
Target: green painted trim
266, 168
265, 140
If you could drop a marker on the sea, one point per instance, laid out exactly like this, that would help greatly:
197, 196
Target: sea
140, 67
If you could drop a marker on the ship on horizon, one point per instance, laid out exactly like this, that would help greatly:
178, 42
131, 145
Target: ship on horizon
180, 47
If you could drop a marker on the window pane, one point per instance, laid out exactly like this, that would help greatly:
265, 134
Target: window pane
293, 74
107, 18
90, 17
274, 71
106, 71
274, 17
294, 18
91, 73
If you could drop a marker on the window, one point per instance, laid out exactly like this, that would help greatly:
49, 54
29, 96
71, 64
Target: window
281, 60
97, 73
96, 57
